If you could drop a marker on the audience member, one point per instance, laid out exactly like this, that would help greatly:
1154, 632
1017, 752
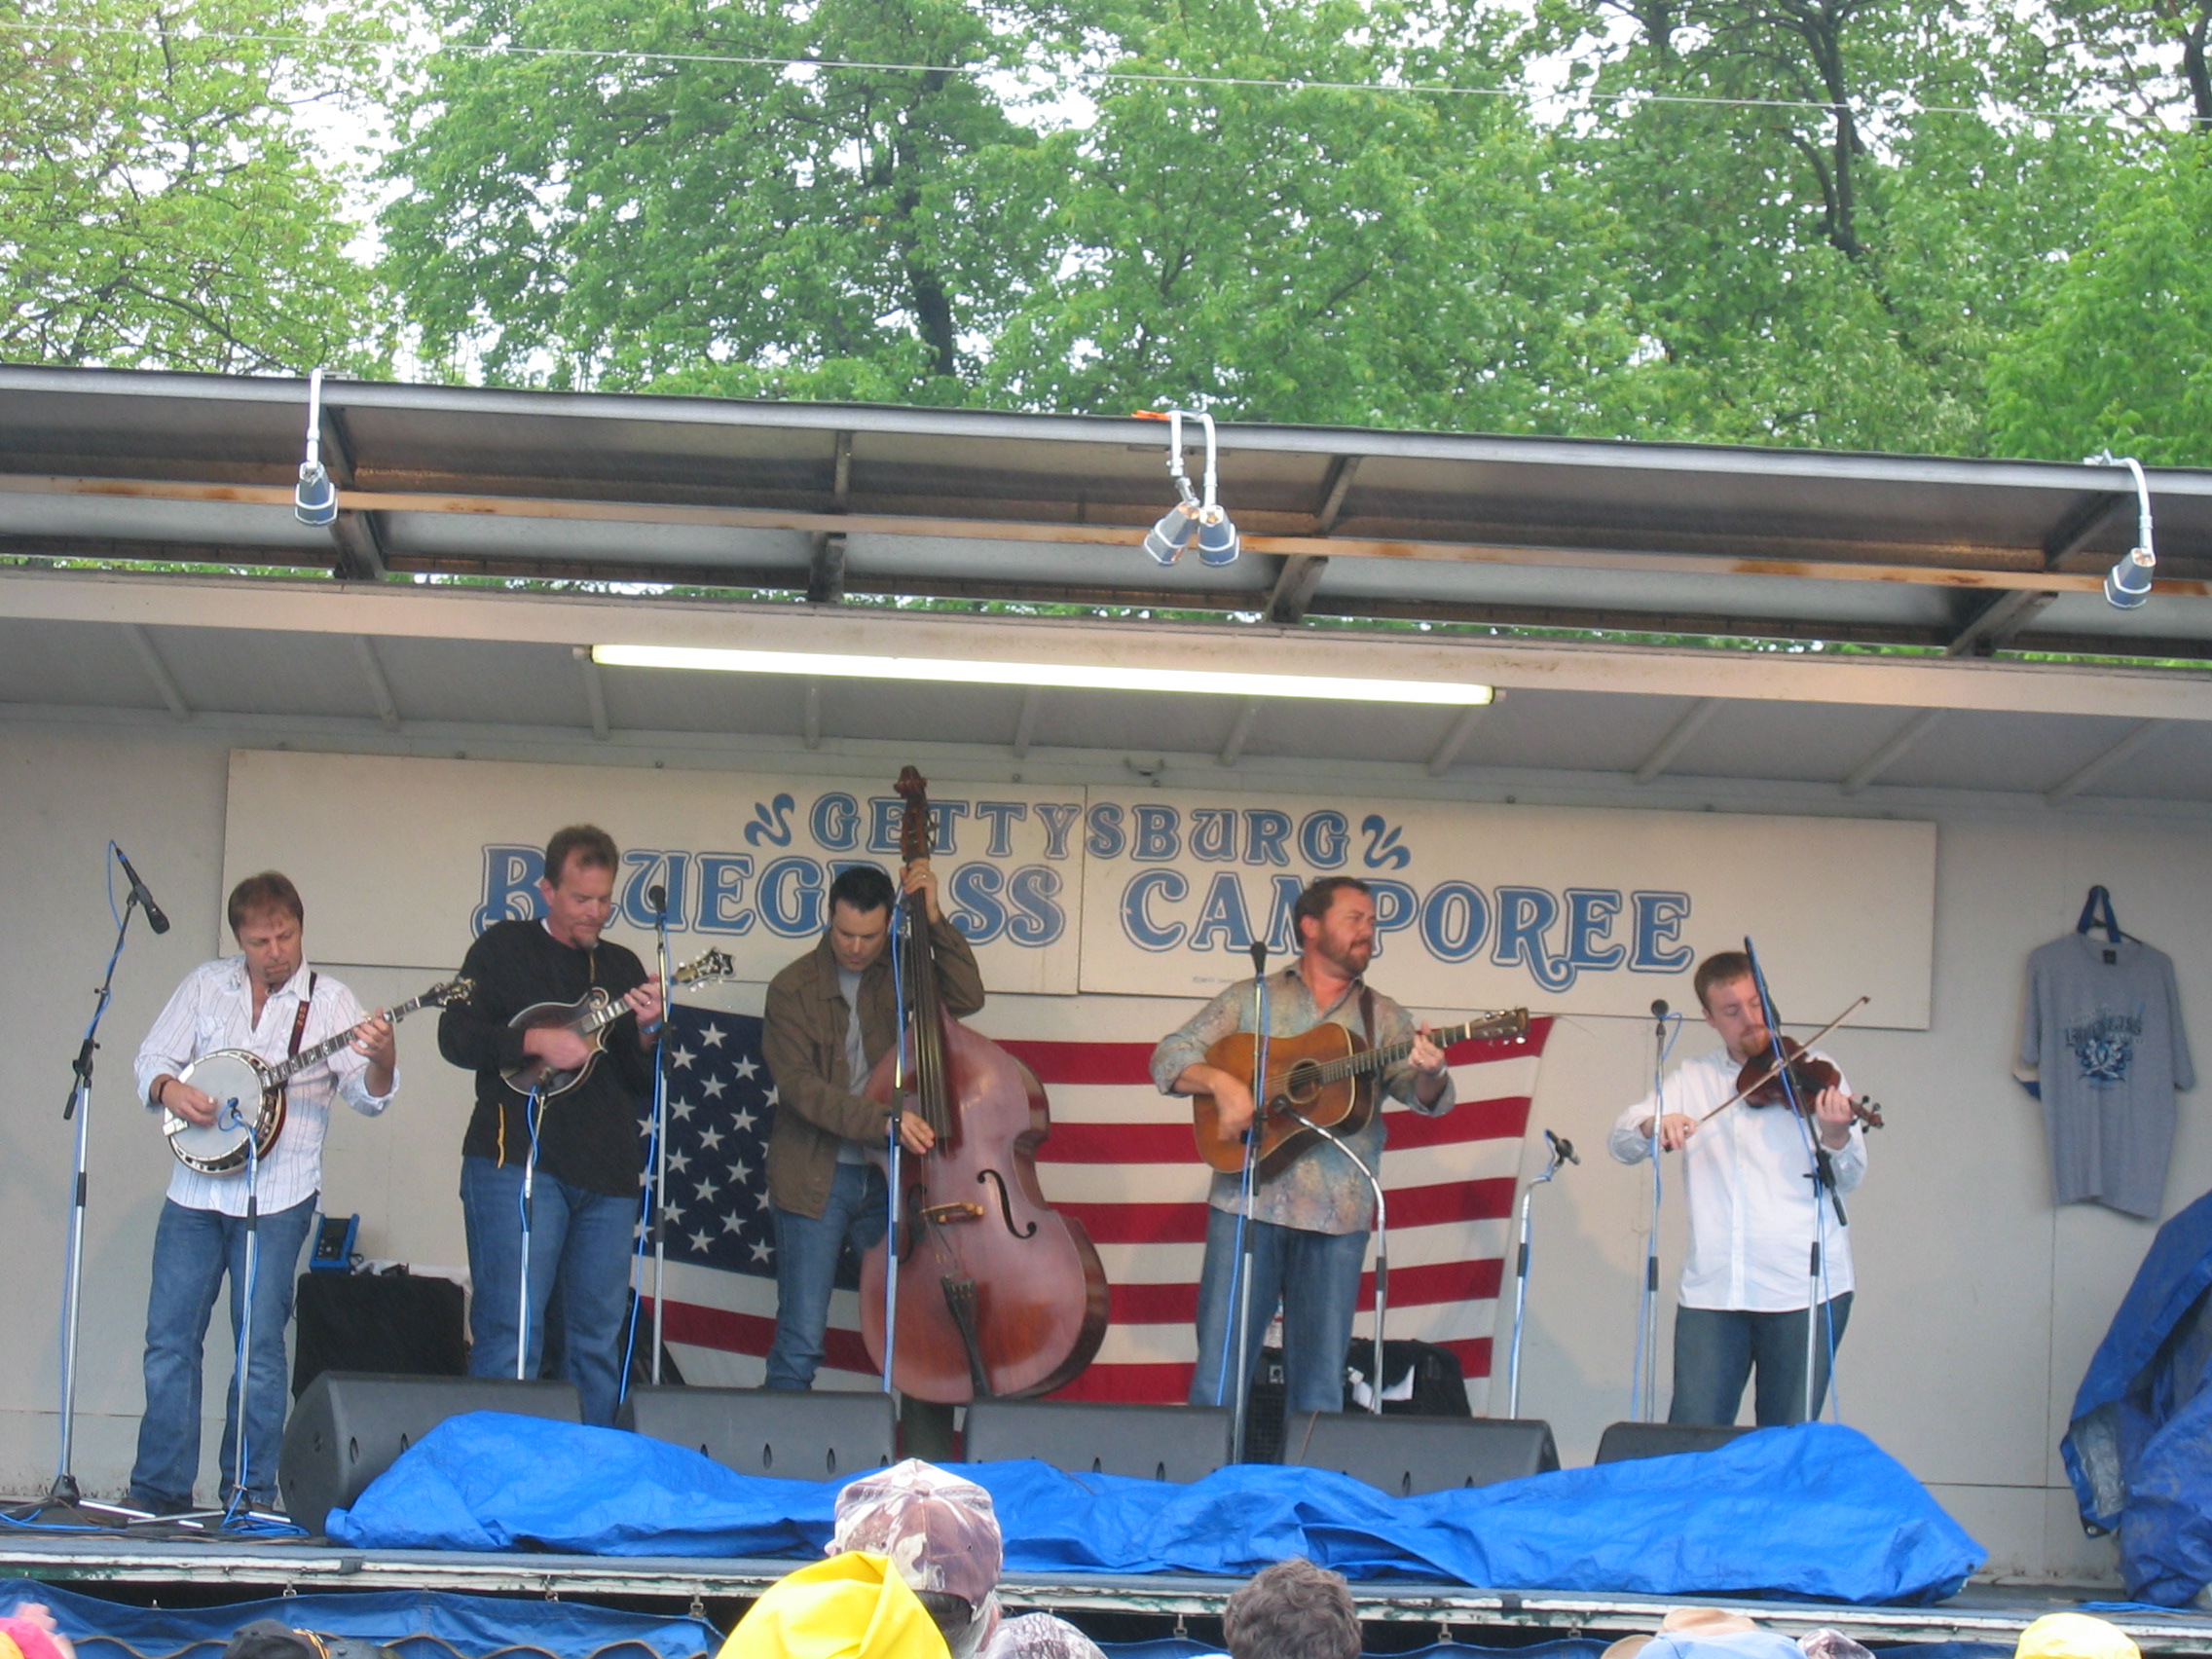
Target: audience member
1292, 1611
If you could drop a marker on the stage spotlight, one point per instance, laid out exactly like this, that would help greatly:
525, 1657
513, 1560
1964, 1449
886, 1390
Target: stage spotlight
2128, 583
1197, 516
314, 503
1167, 540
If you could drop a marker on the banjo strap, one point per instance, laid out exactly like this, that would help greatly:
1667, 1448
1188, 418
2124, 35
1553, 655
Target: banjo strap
300, 1019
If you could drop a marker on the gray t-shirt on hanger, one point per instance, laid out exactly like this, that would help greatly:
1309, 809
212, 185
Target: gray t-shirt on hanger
2107, 1041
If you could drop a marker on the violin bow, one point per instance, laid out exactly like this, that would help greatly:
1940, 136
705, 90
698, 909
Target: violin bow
1772, 1071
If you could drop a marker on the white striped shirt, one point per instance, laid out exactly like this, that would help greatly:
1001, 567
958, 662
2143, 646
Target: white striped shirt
213, 1009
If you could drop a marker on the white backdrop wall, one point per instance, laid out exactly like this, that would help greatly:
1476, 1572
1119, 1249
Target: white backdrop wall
1978, 1305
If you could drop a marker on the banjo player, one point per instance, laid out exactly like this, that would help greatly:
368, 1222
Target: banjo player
266, 999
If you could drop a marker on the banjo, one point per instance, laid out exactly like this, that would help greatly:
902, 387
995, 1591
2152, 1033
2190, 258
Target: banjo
589, 1017
248, 1092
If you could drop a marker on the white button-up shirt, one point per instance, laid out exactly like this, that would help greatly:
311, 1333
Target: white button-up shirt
1751, 1206
213, 1009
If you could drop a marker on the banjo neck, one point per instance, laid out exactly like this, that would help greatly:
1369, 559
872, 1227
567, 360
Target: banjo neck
283, 1070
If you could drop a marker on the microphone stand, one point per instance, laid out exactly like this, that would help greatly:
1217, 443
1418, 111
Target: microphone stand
522, 1303
1821, 1174
1382, 1248
1643, 1404
899, 917
64, 1503
1240, 1296
1561, 1152
660, 1141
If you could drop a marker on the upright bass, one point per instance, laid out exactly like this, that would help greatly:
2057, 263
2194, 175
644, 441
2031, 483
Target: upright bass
998, 1295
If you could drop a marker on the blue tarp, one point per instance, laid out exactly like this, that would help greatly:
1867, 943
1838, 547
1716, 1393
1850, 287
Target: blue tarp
1816, 1511
2139, 1448
418, 1623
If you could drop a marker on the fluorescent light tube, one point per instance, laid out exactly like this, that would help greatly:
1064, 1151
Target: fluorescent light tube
1073, 676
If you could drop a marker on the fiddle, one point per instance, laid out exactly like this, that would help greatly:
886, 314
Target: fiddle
1760, 1081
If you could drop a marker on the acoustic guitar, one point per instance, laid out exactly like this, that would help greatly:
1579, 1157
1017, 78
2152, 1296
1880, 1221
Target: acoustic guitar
1327, 1075
589, 1017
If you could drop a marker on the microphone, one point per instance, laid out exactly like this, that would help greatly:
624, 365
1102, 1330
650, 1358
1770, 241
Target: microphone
657, 897
143, 894
1659, 1013
1259, 956
1562, 1148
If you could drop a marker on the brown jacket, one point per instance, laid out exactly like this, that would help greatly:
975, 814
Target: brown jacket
817, 1105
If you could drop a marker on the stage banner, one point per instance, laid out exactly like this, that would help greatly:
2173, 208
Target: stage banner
1121, 1161
1566, 910
404, 862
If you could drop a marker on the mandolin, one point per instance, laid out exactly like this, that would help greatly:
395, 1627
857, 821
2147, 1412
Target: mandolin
1327, 1074
589, 1017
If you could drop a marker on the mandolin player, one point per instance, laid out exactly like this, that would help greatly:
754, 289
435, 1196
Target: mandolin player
1308, 1222
1753, 1215
584, 1193
265, 999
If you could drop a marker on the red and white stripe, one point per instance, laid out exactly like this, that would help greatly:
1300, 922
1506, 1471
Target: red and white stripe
1120, 1160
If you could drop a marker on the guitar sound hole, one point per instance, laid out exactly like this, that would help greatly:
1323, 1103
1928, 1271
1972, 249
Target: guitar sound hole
1303, 1088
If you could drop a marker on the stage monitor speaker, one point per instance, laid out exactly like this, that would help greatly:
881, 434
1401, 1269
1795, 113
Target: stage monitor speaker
793, 1435
1623, 1442
1160, 1443
349, 1426
1403, 1455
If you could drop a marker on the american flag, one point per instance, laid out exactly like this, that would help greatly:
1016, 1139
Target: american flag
1120, 1160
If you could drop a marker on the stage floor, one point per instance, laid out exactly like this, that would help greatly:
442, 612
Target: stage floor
1984, 1613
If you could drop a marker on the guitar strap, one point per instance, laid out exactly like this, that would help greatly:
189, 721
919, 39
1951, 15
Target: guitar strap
1367, 1012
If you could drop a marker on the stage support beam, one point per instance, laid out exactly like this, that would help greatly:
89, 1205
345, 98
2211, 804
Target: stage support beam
1462, 728
158, 671
1991, 622
1025, 727
379, 689
1893, 750
1676, 741
2126, 748
595, 694
1240, 734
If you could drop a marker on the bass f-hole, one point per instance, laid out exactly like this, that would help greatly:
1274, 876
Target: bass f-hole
1005, 1203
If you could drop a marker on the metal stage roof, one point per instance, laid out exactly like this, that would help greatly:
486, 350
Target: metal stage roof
1981, 1613
135, 508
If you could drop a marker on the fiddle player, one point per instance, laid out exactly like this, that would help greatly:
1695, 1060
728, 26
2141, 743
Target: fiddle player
1753, 1217
831, 1016
1309, 1223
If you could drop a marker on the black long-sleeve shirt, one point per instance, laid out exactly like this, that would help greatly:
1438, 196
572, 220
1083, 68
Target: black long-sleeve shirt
588, 1135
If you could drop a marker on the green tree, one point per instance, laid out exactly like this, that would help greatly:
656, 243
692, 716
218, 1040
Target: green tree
586, 212
1318, 252
162, 204
1827, 258
2122, 359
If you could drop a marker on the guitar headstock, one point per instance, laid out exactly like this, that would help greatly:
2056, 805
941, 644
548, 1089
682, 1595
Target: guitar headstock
1509, 1024
705, 969
914, 825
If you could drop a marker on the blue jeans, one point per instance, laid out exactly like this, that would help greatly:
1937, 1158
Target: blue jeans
579, 1238
193, 1250
806, 1268
1315, 1275
1714, 1351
